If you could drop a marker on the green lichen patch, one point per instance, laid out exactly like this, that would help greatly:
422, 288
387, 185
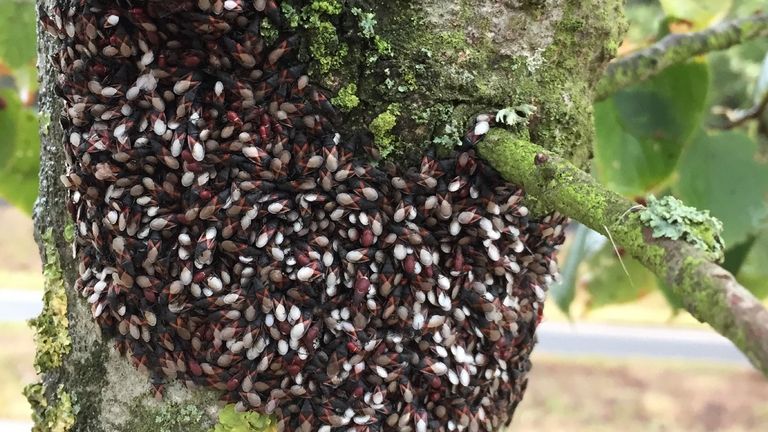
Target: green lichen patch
230, 420
669, 218
448, 140
180, 409
50, 327
52, 410
330, 7
347, 98
269, 32
381, 128
475, 54
325, 46
319, 18
367, 24
51, 413
291, 16
174, 417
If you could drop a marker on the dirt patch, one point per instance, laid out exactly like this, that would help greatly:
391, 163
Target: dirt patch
17, 352
18, 251
597, 395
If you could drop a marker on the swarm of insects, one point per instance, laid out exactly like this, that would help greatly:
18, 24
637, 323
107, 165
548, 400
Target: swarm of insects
229, 237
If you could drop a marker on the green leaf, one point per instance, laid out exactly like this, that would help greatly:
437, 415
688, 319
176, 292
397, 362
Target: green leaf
642, 130
719, 172
737, 254
753, 273
25, 78
702, 13
17, 32
564, 290
673, 300
609, 283
19, 152
644, 19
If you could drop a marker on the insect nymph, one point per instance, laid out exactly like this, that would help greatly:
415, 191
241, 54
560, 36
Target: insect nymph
230, 237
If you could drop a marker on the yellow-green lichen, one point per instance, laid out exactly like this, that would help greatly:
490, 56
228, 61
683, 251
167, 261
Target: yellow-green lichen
669, 218
347, 98
330, 7
45, 122
324, 44
69, 232
50, 413
51, 325
230, 420
381, 128
290, 15
269, 32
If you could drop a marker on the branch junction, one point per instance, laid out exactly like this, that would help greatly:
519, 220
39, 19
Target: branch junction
709, 293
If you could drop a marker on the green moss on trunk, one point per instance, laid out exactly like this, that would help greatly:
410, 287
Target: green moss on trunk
51, 405
51, 326
443, 61
51, 409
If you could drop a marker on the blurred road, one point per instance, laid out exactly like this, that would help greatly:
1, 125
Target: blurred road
15, 426
555, 338
19, 305
599, 340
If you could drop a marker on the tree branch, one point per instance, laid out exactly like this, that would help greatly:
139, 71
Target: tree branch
677, 48
737, 117
709, 292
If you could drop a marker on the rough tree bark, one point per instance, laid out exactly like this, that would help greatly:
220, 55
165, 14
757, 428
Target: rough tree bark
449, 59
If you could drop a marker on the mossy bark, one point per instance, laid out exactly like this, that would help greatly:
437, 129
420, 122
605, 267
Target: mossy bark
684, 254
427, 66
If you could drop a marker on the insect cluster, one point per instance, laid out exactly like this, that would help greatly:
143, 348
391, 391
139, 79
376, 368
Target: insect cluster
229, 237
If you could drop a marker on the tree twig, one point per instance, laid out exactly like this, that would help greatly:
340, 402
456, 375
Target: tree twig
677, 48
708, 292
737, 117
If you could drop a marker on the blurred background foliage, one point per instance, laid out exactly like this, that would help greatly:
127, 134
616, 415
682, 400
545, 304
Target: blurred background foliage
19, 140
667, 135
670, 135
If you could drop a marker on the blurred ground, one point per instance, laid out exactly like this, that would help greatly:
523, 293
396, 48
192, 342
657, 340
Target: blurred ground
20, 266
569, 395
594, 395
17, 352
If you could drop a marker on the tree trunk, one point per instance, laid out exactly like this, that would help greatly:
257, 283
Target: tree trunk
414, 77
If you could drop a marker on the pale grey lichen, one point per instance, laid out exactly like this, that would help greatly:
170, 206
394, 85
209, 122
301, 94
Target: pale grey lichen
668, 217
127, 405
517, 115
533, 37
